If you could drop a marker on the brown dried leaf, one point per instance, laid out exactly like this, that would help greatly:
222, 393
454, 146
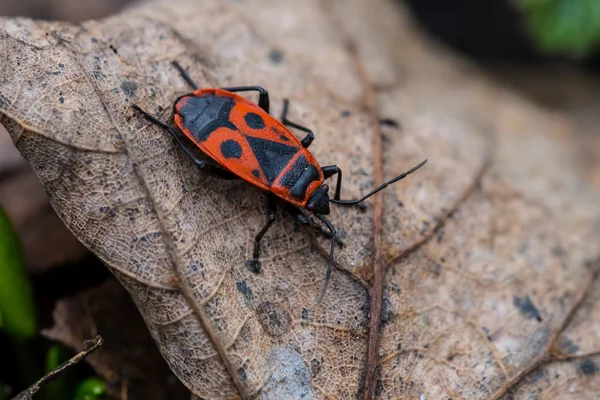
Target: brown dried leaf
485, 248
129, 361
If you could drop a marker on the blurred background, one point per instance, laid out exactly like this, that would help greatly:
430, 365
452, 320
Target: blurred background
549, 50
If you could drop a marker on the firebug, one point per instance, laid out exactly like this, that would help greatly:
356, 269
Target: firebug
243, 141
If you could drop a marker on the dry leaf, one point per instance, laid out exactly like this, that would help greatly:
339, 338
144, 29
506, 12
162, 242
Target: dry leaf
489, 251
129, 361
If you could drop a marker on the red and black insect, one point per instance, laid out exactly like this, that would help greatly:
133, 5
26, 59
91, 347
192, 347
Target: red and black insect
244, 141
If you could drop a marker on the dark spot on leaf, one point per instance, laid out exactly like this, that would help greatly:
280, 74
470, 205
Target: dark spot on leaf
395, 288
244, 289
379, 384
315, 366
436, 269
275, 56
243, 374
536, 375
304, 313
389, 122
387, 314
527, 308
587, 367
558, 251
274, 319
568, 346
129, 88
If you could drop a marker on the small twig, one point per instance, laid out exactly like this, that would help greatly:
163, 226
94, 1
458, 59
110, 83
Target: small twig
571, 357
89, 347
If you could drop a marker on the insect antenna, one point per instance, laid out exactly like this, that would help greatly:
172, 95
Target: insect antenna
330, 263
396, 179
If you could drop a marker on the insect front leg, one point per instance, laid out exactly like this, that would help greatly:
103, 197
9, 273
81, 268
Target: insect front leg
254, 264
184, 74
308, 139
263, 95
304, 220
328, 172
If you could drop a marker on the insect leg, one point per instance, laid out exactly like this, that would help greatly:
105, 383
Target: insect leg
331, 250
328, 172
263, 95
221, 173
185, 75
304, 220
254, 264
309, 134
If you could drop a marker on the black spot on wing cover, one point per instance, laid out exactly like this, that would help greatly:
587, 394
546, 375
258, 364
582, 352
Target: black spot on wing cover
254, 121
231, 149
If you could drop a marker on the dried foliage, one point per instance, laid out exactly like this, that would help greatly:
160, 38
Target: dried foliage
483, 260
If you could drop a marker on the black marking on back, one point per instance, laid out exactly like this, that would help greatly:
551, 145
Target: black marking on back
231, 149
203, 115
254, 121
292, 176
310, 175
299, 178
272, 156
256, 173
